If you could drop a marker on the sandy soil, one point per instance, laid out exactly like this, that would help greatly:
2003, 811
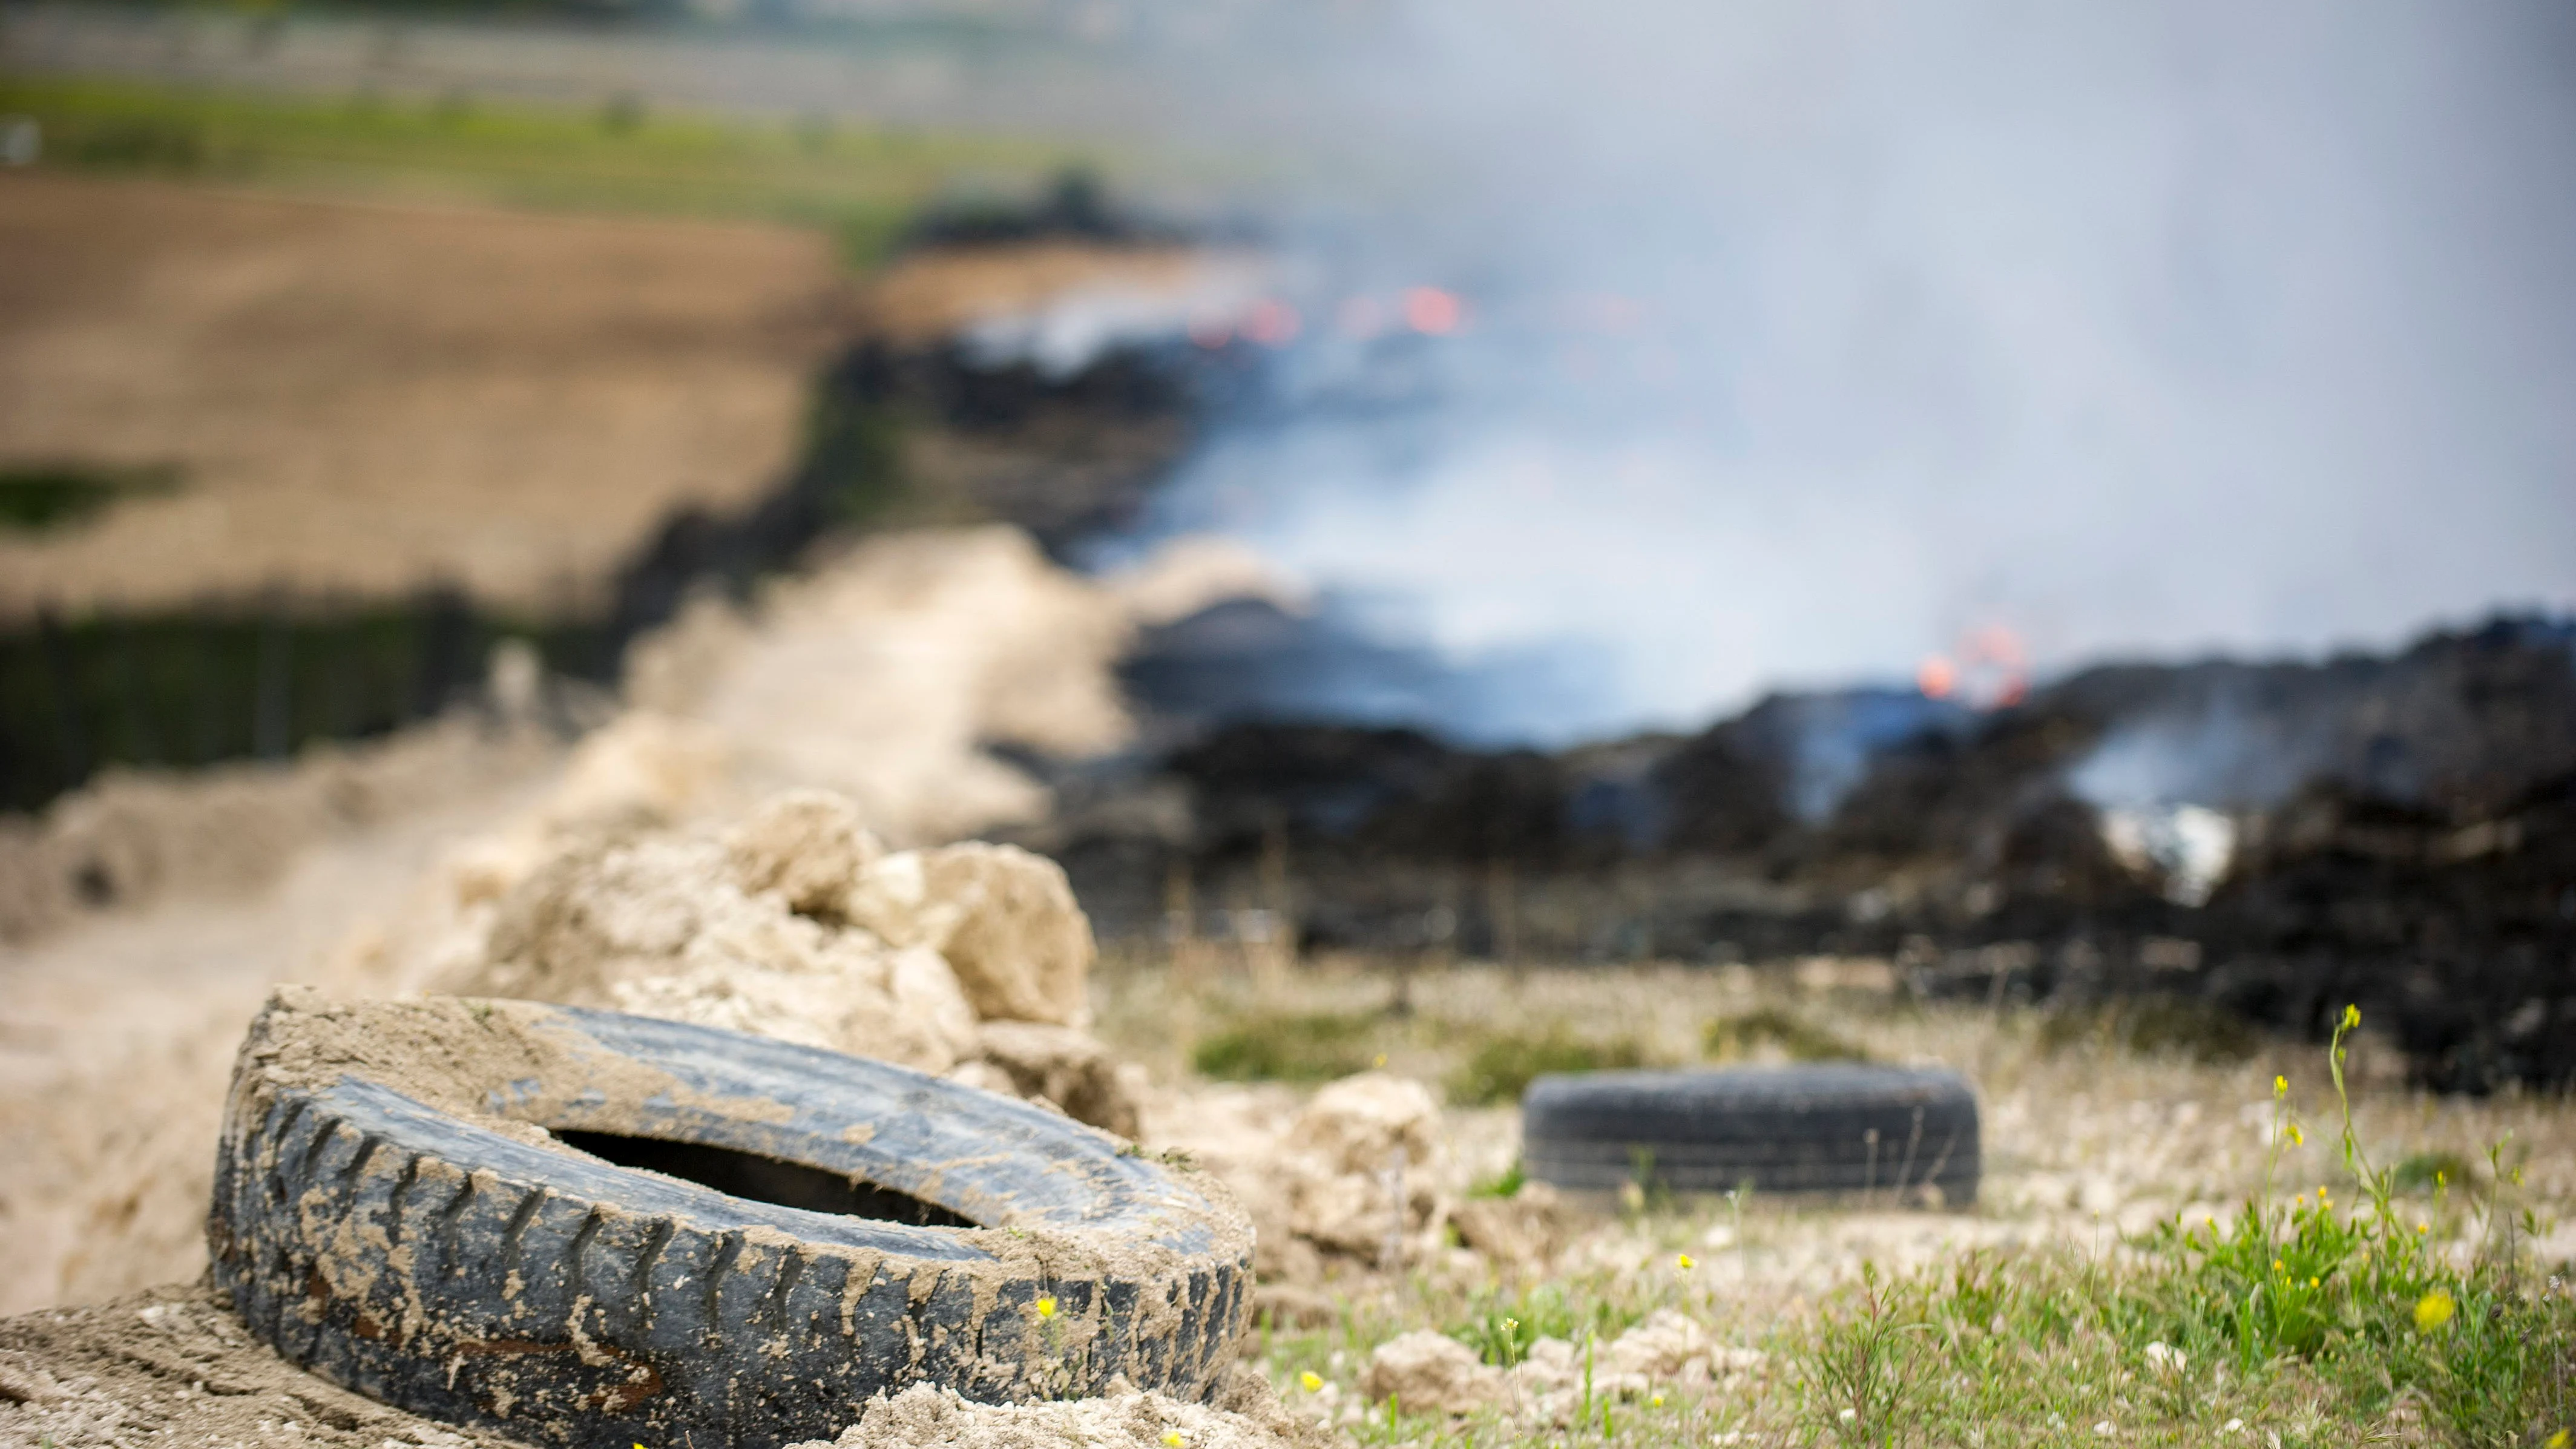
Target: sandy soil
365, 398
2084, 1143
174, 1365
882, 676
116, 1037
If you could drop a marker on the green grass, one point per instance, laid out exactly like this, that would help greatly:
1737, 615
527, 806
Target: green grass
38, 498
2430, 1173
1289, 1047
2302, 1322
1502, 1066
1746, 1033
2200, 1030
1502, 1324
860, 182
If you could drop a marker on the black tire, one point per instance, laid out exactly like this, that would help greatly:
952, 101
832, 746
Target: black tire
1838, 1128
423, 1246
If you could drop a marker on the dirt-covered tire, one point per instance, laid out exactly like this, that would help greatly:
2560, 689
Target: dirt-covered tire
388, 1214
1836, 1128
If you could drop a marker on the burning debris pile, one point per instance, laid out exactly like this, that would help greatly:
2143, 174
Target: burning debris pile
2271, 839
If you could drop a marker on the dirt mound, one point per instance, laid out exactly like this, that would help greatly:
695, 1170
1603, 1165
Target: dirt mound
1245, 1415
799, 924
175, 1365
1357, 1177
380, 869
135, 837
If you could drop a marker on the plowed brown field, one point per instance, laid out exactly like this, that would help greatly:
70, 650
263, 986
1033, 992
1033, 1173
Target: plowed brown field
367, 398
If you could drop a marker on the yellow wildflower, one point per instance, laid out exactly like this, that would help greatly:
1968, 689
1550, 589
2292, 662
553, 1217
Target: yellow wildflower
1046, 1308
2555, 1441
2312, 1280
2433, 1310
1657, 1402
1311, 1381
2351, 1017
2279, 1267
1172, 1439
2297, 1137
1682, 1261
2280, 1086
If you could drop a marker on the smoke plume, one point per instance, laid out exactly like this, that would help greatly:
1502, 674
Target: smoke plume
1796, 340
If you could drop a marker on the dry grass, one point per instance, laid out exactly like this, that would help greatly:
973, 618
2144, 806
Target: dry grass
2024, 1320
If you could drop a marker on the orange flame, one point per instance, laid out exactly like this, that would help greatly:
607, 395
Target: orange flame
1433, 312
1937, 677
1273, 324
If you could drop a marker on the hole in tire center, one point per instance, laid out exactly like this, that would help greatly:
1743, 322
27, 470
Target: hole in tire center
764, 1179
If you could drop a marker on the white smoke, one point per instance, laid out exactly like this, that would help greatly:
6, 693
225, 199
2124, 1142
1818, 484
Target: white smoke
1804, 336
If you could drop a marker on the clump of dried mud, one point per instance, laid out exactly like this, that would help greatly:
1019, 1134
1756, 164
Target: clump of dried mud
800, 924
1246, 1414
174, 1365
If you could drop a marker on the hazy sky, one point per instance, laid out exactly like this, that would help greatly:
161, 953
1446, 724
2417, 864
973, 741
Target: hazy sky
1806, 336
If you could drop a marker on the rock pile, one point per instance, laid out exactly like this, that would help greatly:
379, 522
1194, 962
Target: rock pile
799, 924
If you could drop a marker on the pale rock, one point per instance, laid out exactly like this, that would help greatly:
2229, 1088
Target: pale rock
984, 1077
1551, 1363
1657, 1348
1355, 1125
1244, 1413
1289, 1306
1425, 1371
643, 768
1006, 920
807, 847
659, 924
891, 899
1346, 1212
1021, 947
1527, 1228
1069, 1068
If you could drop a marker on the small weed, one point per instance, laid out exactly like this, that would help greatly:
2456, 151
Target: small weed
1864, 1370
1502, 1067
2288, 1309
1729, 1038
1502, 1324
2429, 1173
1288, 1048
1506, 1183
